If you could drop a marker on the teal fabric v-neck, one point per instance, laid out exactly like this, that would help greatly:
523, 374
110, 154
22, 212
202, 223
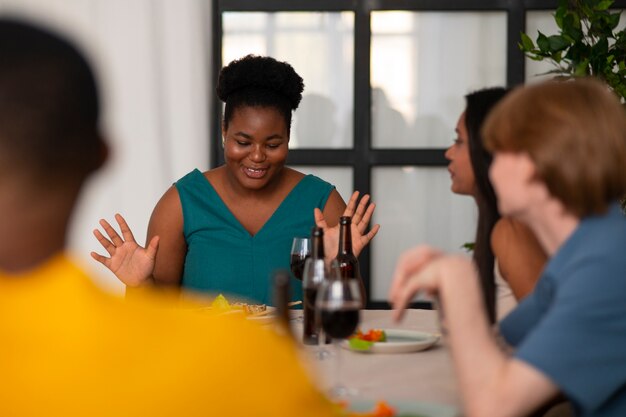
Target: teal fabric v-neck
222, 256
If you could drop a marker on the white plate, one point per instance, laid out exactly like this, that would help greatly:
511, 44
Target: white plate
416, 408
400, 341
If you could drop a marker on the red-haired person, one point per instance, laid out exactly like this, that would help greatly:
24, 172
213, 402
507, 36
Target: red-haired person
559, 167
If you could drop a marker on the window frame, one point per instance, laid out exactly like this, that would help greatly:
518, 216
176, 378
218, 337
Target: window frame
362, 158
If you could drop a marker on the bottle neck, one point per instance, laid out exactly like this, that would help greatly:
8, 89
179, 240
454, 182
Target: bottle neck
345, 236
318, 246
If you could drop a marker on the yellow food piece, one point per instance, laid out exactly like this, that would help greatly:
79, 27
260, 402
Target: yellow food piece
221, 303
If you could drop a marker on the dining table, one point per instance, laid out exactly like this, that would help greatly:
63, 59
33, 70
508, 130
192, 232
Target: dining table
423, 376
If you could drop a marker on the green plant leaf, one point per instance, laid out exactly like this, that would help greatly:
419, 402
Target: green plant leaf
586, 43
527, 43
559, 15
601, 48
571, 27
603, 4
557, 56
614, 20
557, 43
543, 43
582, 69
468, 246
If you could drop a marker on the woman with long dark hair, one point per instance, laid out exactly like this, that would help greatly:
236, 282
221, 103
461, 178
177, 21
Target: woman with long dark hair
495, 237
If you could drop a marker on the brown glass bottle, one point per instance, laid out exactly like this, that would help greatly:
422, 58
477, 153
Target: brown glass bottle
282, 293
313, 275
348, 262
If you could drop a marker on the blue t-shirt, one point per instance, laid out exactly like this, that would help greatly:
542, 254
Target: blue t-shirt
222, 256
572, 327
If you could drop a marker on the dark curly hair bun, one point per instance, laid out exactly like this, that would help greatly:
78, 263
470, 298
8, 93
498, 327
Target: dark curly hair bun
260, 73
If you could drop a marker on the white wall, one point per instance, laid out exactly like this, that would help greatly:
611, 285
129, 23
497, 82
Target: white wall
152, 60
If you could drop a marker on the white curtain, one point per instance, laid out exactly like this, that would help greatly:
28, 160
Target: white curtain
151, 58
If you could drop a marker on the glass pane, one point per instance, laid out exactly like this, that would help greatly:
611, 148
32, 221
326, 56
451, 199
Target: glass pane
340, 177
415, 206
423, 64
320, 47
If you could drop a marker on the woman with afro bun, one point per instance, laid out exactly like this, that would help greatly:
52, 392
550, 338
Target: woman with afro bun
225, 230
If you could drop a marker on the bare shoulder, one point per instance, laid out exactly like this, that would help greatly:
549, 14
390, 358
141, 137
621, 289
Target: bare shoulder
169, 201
168, 211
501, 231
334, 208
167, 223
520, 256
507, 230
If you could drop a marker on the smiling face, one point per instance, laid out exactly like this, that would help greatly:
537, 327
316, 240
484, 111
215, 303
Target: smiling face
255, 146
460, 166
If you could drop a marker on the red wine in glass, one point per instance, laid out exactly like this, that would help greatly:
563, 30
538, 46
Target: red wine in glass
341, 323
300, 250
310, 333
297, 264
338, 303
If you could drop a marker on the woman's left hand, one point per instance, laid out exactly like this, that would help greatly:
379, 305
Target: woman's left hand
361, 215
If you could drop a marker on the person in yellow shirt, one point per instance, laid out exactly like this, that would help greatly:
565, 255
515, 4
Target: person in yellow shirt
67, 348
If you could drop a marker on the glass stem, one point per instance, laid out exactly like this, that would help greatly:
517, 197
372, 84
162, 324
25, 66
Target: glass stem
338, 385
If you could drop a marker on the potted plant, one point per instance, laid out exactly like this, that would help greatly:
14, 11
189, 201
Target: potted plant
587, 44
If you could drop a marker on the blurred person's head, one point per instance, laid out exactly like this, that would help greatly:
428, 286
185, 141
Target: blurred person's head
49, 108
575, 135
260, 94
49, 140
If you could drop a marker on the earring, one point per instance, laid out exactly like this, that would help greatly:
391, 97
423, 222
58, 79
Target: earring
223, 141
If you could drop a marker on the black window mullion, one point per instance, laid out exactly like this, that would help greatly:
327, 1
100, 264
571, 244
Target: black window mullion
515, 63
217, 156
410, 157
321, 157
439, 5
288, 5
362, 120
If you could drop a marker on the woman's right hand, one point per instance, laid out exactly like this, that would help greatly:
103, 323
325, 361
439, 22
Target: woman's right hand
131, 263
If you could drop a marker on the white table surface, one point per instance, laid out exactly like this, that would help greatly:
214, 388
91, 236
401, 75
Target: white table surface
425, 376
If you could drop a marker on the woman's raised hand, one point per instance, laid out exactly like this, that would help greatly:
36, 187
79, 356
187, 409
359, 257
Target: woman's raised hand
131, 263
361, 214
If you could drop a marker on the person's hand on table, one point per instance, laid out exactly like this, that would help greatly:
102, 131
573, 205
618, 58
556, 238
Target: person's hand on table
361, 215
416, 270
131, 263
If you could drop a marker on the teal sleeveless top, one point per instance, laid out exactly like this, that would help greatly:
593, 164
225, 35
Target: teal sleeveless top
222, 256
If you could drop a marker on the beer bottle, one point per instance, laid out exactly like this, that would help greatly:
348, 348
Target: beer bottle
347, 262
314, 273
282, 295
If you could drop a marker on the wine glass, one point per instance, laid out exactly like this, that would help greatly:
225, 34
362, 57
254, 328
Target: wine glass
315, 272
300, 250
338, 304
